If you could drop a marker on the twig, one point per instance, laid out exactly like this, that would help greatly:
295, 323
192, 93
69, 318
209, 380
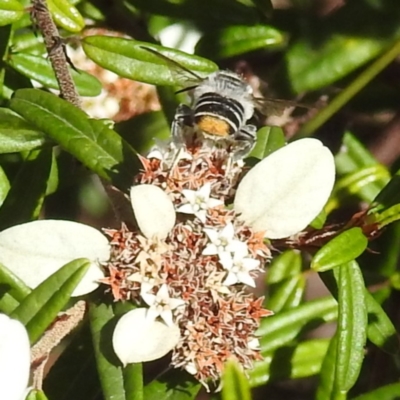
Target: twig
56, 51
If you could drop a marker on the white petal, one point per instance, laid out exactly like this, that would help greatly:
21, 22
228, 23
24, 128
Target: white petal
228, 231
154, 211
201, 215
186, 209
211, 203
35, 250
226, 260
210, 250
14, 358
205, 191
244, 277
191, 195
191, 368
287, 190
138, 339
211, 233
231, 279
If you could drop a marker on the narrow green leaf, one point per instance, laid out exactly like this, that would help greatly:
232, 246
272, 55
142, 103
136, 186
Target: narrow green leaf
99, 148
343, 248
364, 183
326, 388
40, 69
36, 395
235, 383
291, 362
286, 294
25, 198
285, 265
4, 186
389, 195
66, 15
18, 135
38, 310
388, 216
11, 284
238, 39
352, 325
133, 381
10, 11
311, 67
128, 58
388, 392
279, 330
269, 139
102, 323
172, 385
381, 330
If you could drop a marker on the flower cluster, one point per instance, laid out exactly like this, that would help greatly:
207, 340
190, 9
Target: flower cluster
193, 257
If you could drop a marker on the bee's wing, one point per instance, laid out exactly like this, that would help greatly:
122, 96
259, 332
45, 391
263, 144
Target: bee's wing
187, 79
275, 107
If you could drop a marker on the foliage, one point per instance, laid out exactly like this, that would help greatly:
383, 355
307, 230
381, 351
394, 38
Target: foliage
50, 150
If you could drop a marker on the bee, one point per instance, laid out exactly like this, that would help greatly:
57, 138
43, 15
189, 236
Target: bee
222, 108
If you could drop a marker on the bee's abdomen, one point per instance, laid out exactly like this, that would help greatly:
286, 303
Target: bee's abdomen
217, 115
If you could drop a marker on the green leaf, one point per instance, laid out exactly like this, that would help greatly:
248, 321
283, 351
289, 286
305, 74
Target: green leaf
38, 310
352, 325
343, 248
312, 66
129, 59
283, 266
238, 39
386, 217
389, 195
353, 156
18, 135
269, 139
25, 198
235, 385
40, 69
286, 294
10, 11
12, 284
364, 183
291, 362
36, 395
381, 330
99, 148
172, 385
388, 392
66, 15
4, 186
12, 290
327, 379
279, 330
102, 324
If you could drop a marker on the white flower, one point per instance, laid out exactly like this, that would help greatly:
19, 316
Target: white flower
199, 202
136, 338
283, 193
238, 267
222, 241
35, 250
154, 211
14, 359
161, 305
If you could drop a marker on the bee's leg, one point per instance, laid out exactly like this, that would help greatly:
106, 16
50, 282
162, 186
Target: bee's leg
183, 119
246, 139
